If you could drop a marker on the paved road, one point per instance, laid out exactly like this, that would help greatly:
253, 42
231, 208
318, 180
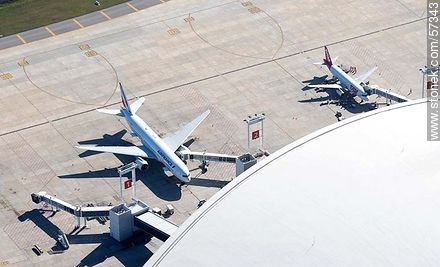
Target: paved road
76, 23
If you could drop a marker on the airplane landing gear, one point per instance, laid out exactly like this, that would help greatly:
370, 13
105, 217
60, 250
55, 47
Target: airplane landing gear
204, 166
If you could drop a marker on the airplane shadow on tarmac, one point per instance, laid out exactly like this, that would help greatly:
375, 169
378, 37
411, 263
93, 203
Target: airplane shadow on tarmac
153, 177
332, 98
196, 180
204, 182
130, 253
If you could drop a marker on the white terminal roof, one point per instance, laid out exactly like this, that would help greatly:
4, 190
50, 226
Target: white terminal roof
362, 192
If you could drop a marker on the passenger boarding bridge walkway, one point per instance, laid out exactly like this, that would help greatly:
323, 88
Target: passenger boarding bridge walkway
389, 96
124, 218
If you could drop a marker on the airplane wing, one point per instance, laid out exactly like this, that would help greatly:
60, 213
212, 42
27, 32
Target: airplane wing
110, 111
178, 138
124, 150
325, 86
365, 76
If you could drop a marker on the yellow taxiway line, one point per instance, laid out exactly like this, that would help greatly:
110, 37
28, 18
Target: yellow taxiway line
21, 38
77, 23
105, 15
50, 31
132, 7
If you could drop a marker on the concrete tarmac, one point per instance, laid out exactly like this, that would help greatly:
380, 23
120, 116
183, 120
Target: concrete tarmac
234, 58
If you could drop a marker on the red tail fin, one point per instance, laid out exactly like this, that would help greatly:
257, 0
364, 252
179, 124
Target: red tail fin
328, 58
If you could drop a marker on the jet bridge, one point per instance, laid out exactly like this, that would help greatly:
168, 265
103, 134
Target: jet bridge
155, 225
242, 162
78, 211
203, 156
124, 219
391, 96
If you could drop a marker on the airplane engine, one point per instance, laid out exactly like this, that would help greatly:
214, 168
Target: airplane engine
141, 164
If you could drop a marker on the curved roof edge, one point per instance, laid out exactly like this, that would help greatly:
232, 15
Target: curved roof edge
214, 200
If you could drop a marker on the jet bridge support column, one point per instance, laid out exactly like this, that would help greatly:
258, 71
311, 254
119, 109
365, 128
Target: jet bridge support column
121, 222
131, 167
251, 120
243, 163
427, 71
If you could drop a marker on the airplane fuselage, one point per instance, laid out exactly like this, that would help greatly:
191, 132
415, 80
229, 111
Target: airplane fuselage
348, 82
156, 145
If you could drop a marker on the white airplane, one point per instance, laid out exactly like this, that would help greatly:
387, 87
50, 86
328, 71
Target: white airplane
153, 147
347, 83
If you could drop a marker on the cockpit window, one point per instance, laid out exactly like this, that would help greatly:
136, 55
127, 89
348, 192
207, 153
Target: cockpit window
186, 176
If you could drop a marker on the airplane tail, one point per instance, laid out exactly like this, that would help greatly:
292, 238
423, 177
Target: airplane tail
328, 58
327, 61
125, 105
